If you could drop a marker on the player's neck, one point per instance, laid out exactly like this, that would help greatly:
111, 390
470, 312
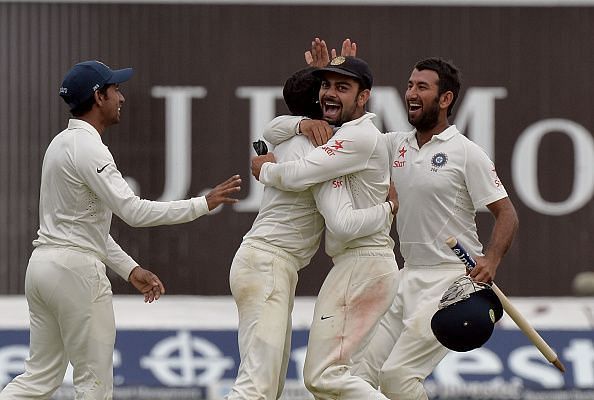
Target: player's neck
94, 118
425, 135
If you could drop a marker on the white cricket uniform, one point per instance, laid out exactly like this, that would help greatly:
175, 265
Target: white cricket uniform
361, 285
440, 186
67, 290
263, 276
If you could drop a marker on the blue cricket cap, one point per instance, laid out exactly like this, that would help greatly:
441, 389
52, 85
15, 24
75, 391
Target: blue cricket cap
81, 82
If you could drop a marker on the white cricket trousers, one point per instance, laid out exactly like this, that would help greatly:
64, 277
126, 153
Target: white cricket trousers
71, 319
263, 280
358, 290
404, 350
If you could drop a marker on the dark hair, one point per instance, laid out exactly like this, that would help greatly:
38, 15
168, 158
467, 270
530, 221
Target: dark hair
448, 73
301, 93
86, 105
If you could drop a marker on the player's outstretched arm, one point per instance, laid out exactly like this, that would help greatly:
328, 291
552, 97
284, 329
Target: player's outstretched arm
146, 283
222, 193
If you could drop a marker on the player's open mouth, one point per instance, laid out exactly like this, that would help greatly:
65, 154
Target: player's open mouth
331, 110
414, 107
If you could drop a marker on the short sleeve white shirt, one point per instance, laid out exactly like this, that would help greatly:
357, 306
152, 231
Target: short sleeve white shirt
440, 186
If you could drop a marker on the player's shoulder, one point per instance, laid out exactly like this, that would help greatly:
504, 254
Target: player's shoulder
473, 152
398, 138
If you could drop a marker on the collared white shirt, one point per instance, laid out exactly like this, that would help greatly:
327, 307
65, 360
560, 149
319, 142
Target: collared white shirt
292, 220
80, 189
355, 152
440, 186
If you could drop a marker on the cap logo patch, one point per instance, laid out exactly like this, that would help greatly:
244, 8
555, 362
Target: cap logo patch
63, 90
337, 60
492, 315
96, 87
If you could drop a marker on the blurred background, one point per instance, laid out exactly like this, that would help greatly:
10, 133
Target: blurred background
208, 77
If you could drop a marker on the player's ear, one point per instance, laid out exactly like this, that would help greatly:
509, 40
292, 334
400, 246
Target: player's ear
99, 98
446, 99
363, 97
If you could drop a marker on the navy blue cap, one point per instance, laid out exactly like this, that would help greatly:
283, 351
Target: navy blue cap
349, 66
468, 323
86, 77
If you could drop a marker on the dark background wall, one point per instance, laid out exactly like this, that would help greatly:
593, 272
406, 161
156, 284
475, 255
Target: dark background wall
542, 56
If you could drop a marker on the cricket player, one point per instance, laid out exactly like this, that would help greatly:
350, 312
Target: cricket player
458, 178
283, 238
361, 284
67, 289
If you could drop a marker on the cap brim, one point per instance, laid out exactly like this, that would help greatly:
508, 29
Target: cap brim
320, 72
120, 75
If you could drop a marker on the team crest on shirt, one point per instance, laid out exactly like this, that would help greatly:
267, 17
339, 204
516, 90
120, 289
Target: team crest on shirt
439, 160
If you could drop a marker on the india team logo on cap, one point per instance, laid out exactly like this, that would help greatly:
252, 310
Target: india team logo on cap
337, 60
492, 315
439, 160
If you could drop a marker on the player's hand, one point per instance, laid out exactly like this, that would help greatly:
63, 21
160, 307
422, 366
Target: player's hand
258, 161
318, 131
222, 192
349, 49
393, 197
146, 283
318, 55
484, 271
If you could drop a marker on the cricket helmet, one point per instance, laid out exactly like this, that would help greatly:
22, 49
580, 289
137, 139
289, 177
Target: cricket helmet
466, 315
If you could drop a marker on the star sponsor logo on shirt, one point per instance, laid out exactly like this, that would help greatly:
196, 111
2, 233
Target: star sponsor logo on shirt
338, 144
401, 154
496, 179
337, 183
329, 148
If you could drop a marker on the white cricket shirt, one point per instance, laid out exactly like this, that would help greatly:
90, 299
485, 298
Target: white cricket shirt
440, 186
357, 152
80, 189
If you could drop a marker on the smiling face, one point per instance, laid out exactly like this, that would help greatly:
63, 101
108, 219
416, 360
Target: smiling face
111, 104
341, 99
423, 100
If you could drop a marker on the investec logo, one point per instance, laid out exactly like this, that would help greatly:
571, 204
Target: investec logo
186, 360
475, 117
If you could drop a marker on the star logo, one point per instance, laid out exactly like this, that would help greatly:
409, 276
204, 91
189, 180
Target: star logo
338, 144
402, 152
